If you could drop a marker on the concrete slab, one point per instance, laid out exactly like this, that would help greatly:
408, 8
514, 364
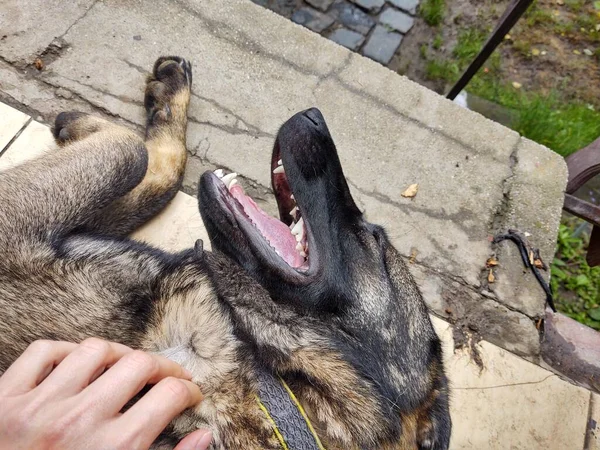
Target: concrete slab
177, 227
35, 140
390, 132
508, 402
12, 122
593, 432
28, 28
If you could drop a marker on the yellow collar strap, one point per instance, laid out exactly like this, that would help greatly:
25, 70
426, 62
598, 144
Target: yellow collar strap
289, 420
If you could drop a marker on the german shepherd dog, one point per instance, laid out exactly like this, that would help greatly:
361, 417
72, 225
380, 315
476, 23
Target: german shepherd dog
318, 299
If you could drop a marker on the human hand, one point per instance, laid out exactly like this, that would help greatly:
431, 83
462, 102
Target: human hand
69, 396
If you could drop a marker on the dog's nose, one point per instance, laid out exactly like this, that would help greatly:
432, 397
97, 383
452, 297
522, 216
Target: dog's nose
315, 116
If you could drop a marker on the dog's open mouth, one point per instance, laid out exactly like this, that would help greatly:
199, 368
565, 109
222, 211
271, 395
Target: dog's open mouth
287, 236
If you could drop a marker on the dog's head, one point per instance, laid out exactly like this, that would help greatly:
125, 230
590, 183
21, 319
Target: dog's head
326, 270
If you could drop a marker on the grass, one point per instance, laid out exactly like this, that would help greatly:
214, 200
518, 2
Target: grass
563, 126
432, 11
575, 284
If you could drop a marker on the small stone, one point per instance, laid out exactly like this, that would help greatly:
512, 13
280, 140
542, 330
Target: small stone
544, 52
410, 6
323, 5
372, 6
61, 92
382, 45
535, 52
598, 27
312, 19
137, 37
508, 37
588, 52
396, 20
516, 85
348, 38
352, 17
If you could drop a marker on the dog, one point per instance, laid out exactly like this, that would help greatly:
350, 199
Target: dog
303, 332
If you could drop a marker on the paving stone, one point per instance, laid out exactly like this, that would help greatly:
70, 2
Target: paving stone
508, 402
176, 228
352, 17
348, 38
593, 431
34, 141
409, 6
397, 20
323, 5
312, 19
10, 124
373, 6
382, 45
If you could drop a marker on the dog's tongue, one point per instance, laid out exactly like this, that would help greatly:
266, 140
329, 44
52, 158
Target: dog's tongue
275, 232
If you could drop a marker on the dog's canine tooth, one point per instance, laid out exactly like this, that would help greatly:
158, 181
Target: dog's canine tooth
298, 227
219, 172
232, 183
293, 211
292, 197
227, 178
279, 169
280, 163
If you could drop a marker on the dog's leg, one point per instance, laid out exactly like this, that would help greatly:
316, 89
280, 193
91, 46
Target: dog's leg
166, 101
50, 196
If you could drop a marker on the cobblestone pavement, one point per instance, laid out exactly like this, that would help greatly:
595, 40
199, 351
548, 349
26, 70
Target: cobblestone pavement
374, 28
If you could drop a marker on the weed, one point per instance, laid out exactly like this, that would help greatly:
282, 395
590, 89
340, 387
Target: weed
575, 284
423, 51
441, 70
432, 11
438, 41
469, 44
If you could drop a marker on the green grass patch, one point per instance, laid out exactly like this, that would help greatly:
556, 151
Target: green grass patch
433, 11
576, 285
438, 41
442, 70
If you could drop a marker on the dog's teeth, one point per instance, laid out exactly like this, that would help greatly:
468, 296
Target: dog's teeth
279, 169
232, 183
293, 211
227, 178
299, 247
303, 254
219, 173
280, 162
292, 197
298, 227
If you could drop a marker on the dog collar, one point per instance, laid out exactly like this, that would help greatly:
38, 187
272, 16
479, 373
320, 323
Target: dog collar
289, 420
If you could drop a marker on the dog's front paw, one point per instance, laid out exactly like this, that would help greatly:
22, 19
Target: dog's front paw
167, 97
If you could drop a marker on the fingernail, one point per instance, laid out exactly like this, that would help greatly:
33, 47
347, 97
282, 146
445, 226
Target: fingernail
187, 374
204, 441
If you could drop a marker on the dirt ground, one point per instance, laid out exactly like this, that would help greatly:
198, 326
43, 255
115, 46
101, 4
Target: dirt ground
554, 47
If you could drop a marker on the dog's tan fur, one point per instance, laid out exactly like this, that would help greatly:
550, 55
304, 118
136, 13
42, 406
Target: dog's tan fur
66, 274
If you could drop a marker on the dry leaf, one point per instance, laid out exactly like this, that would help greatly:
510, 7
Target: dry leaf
516, 85
410, 191
588, 52
538, 263
577, 52
508, 37
535, 52
491, 277
491, 262
413, 256
560, 2
38, 63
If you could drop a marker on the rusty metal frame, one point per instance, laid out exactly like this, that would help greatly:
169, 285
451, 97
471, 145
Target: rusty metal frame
513, 13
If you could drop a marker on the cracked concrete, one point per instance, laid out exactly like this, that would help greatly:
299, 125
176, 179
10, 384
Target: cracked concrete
253, 70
